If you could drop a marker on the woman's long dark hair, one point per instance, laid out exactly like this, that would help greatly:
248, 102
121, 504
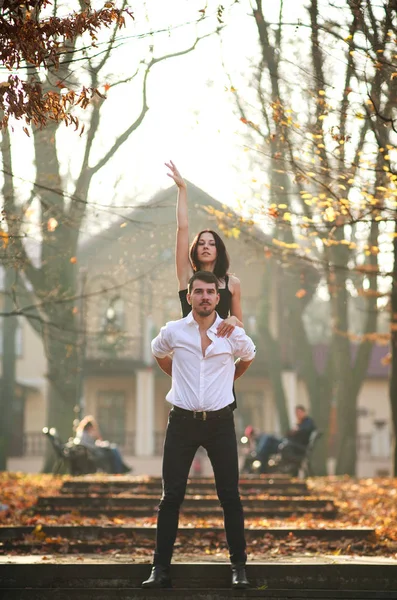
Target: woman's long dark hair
222, 258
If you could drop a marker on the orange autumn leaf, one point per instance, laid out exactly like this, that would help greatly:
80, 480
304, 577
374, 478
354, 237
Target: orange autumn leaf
52, 224
4, 238
301, 293
273, 212
73, 260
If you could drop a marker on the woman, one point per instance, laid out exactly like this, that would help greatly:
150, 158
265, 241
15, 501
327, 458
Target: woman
207, 253
107, 455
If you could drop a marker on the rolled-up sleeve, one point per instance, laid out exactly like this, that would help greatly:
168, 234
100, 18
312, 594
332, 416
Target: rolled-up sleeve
162, 344
244, 347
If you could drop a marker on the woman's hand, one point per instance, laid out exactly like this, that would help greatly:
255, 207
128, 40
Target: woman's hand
175, 175
226, 328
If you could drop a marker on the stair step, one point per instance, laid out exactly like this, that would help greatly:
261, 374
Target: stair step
104, 502
213, 579
144, 511
97, 532
110, 489
189, 594
88, 540
76, 486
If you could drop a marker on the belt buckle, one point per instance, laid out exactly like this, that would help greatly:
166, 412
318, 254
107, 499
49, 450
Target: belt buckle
204, 413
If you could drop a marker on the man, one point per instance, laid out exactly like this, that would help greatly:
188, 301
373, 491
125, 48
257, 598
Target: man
202, 368
294, 443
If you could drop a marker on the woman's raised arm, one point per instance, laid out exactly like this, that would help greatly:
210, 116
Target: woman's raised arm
183, 267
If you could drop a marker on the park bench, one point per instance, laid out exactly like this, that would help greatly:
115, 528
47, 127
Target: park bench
70, 456
298, 463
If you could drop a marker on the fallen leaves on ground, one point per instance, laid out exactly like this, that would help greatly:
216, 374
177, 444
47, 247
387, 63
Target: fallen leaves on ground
361, 503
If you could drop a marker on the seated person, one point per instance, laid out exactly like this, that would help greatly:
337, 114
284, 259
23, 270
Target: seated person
106, 455
294, 443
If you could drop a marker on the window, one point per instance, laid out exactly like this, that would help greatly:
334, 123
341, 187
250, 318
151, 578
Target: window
112, 312
112, 325
111, 416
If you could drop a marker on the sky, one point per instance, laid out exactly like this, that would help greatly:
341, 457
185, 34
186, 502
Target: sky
192, 116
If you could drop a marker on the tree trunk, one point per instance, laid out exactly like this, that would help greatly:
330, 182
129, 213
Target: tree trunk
320, 408
63, 391
271, 352
345, 399
61, 343
9, 322
8, 370
393, 371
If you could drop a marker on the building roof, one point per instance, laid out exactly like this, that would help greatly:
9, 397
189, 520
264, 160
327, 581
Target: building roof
156, 211
377, 368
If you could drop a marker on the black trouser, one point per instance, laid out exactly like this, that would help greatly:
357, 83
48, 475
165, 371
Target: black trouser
184, 436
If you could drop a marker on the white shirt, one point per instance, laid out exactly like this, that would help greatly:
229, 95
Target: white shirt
201, 382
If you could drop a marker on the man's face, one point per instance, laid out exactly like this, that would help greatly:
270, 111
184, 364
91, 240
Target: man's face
300, 414
203, 298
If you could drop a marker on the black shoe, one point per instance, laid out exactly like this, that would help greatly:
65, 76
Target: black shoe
159, 578
239, 577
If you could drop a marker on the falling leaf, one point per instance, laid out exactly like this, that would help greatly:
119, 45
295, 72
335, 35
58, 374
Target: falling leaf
386, 360
73, 260
273, 212
329, 214
301, 293
52, 224
4, 238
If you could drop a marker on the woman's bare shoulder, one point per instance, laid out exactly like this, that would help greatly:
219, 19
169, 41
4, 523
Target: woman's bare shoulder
234, 282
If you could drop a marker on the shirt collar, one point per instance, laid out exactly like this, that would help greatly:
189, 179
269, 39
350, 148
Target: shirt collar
190, 319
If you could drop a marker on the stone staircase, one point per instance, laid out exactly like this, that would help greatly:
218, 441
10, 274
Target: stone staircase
69, 562
262, 497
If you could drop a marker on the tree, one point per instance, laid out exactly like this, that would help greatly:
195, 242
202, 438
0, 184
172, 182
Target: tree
31, 35
9, 327
329, 173
53, 274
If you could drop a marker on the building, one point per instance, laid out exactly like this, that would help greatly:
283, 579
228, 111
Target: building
129, 289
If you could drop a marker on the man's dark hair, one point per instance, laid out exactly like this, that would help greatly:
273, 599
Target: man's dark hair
300, 407
206, 276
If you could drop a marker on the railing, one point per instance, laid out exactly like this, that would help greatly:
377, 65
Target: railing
35, 443
118, 346
129, 443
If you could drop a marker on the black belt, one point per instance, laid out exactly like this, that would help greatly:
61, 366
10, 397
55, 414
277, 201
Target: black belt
203, 415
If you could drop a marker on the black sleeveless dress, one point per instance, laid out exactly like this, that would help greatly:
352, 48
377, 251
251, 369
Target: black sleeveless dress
224, 305
223, 310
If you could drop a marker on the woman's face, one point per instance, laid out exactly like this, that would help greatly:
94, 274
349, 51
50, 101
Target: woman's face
206, 248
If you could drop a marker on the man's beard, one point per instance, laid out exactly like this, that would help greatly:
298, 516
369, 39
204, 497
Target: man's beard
205, 310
